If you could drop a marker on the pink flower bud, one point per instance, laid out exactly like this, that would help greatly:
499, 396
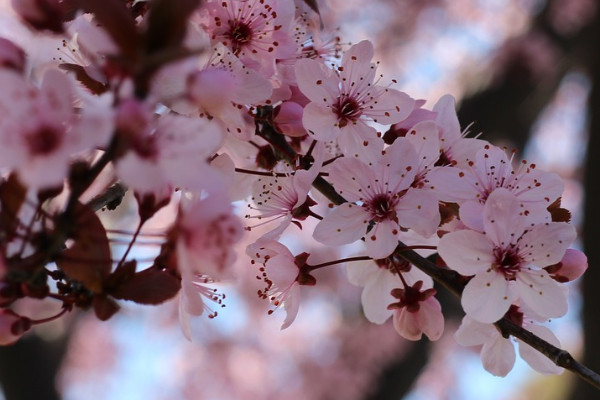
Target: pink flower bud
12, 327
289, 119
572, 266
40, 14
11, 55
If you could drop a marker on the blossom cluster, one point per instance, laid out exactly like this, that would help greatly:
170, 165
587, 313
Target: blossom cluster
199, 106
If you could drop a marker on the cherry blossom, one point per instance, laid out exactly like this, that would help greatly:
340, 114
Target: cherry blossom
284, 199
379, 195
506, 261
193, 300
206, 231
255, 31
379, 278
417, 312
171, 152
456, 149
498, 353
491, 169
343, 101
40, 132
221, 88
280, 273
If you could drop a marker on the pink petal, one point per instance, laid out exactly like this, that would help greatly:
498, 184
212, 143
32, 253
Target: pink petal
545, 244
406, 324
501, 220
382, 239
431, 319
471, 215
291, 305
474, 333
401, 162
320, 122
447, 118
533, 357
317, 82
424, 137
453, 184
351, 186
498, 356
376, 296
360, 141
346, 224
488, 296
418, 210
542, 293
467, 252
389, 107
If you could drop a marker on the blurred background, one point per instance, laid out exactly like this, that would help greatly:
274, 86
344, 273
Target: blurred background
526, 73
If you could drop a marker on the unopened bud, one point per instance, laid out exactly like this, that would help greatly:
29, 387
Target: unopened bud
288, 119
572, 266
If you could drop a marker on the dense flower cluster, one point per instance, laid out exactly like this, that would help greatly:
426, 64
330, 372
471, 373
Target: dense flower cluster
253, 89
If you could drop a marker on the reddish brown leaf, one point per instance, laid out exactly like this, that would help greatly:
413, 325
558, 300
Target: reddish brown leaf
167, 24
104, 307
12, 195
150, 286
82, 76
88, 260
114, 17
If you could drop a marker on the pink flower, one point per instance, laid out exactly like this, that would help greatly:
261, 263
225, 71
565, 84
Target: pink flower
456, 149
192, 300
40, 131
506, 261
206, 232
380, 202
417, 312
498, 353
492, 169
285, 199
167, 153
342, 101
221, 89
256, 31
279, 272
379, 278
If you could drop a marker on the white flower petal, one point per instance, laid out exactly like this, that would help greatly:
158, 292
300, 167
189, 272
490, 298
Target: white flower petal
467, 252
488, 296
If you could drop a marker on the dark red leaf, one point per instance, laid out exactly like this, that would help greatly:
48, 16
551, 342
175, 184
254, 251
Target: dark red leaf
121, 274
150, 286
88, 260
82, 76
104, 307
114, 17
12, 195
167, 23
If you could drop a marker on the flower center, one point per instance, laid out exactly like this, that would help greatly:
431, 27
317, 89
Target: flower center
43, 141
347, 110
240, 34
507, 262
394, 264
382, 207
